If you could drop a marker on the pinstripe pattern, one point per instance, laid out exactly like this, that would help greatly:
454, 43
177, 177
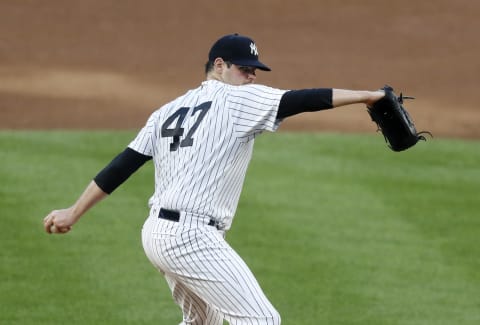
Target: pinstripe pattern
207, 178
201, 144
208, 279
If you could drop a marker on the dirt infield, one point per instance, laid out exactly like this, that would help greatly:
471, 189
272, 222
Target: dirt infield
109, 64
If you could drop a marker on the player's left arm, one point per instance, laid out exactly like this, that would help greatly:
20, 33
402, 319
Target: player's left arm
311, 100
106, 181
62, 220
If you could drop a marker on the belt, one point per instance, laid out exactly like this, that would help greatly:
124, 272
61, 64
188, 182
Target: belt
175, 216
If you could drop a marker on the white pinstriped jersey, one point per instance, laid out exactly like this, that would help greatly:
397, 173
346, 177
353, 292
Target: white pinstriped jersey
201, 144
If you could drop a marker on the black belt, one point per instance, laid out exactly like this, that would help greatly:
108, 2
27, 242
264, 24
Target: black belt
175, 216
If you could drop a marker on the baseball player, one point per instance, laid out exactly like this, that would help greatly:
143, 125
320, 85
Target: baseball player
201, 144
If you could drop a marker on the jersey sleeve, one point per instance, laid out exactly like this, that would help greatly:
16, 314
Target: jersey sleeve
254, 108
145, 140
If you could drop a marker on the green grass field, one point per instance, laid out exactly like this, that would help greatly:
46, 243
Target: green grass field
337, 228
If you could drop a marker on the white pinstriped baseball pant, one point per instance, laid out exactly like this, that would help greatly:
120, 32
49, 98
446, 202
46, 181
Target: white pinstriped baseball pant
208, 279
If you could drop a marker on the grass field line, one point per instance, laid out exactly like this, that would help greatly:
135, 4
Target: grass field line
337, 229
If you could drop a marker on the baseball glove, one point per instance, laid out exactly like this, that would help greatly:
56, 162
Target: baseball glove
394, 121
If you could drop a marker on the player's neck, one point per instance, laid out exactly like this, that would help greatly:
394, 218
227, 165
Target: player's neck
213, 76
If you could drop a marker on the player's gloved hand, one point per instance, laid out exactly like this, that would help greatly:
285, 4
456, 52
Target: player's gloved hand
394, 121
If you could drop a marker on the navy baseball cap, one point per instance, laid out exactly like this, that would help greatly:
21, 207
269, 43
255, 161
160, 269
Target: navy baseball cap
238, 49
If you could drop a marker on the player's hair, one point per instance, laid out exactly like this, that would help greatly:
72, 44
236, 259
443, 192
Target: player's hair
208, 67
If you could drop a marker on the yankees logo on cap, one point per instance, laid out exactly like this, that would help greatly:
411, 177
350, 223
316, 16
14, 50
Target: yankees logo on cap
238, 49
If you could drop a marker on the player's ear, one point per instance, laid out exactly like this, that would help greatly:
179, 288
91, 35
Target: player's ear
219, 65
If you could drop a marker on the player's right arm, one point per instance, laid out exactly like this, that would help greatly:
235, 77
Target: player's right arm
342, 97
311, 100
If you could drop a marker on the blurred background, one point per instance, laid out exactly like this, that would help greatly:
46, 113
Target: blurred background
108, 64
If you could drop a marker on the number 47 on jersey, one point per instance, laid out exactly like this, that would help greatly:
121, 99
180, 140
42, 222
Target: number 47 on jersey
177, 131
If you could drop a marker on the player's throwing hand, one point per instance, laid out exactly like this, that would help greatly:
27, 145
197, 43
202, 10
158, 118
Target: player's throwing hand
58, 222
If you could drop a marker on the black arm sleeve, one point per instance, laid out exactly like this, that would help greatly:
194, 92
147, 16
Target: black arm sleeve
304, 100
120, 169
